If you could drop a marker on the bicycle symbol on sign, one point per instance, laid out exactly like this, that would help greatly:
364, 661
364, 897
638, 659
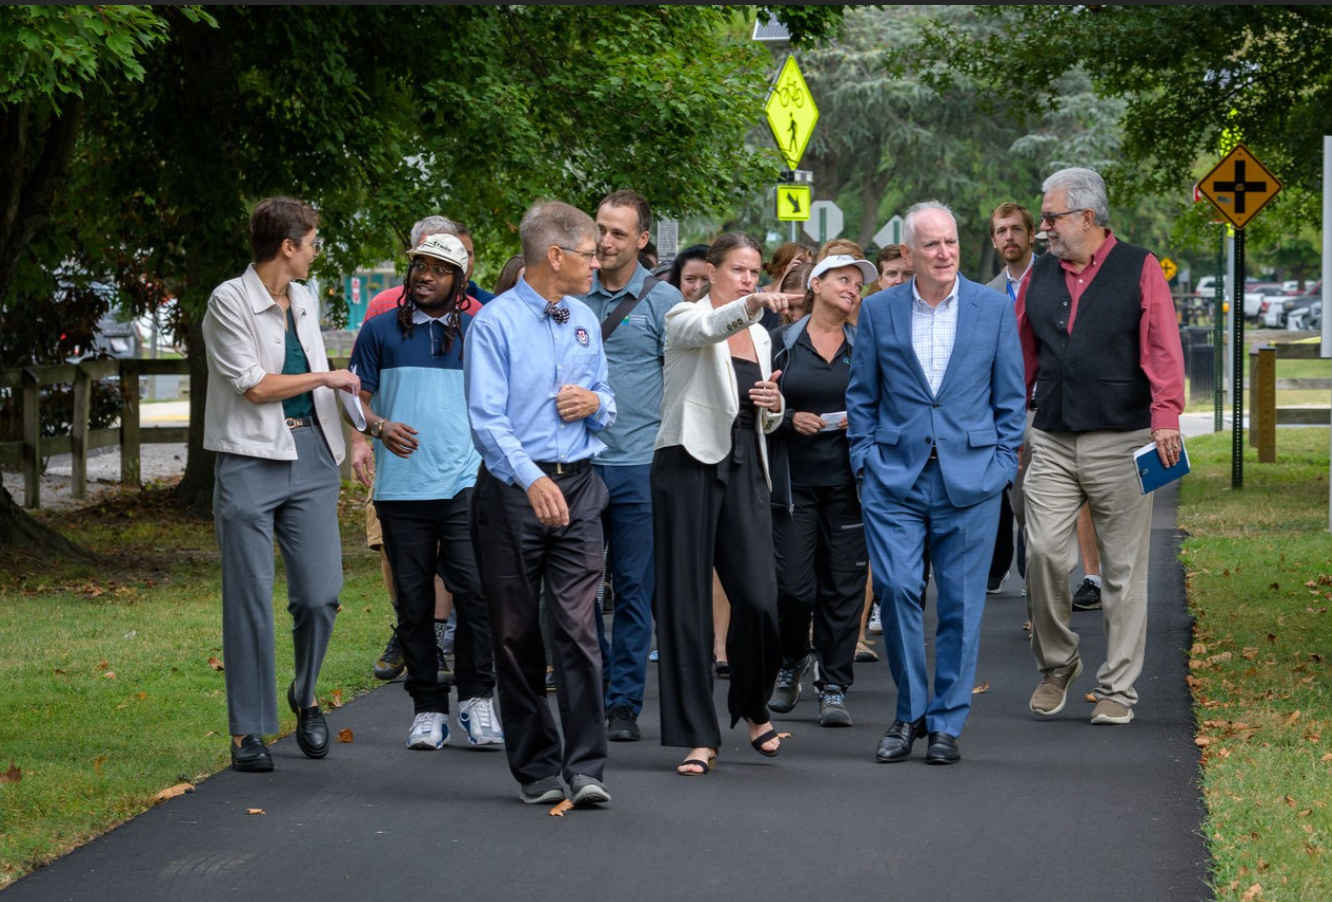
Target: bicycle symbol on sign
791, 94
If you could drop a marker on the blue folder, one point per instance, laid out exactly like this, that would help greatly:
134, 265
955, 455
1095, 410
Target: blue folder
1152, 474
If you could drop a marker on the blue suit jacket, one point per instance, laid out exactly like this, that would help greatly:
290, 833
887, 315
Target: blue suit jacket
978, 417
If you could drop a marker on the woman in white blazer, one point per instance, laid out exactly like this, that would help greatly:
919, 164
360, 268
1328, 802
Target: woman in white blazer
711, 506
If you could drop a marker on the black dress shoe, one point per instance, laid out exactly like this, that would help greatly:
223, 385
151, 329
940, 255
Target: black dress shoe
942, 749
896, 743
251, 756
311, 728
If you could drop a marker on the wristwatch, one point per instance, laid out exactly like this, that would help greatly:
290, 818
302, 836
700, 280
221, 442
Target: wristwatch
375, 428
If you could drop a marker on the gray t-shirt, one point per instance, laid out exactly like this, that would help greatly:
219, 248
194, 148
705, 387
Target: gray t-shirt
634, 355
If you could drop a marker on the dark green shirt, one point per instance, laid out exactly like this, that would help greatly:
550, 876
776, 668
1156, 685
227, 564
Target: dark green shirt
296, 364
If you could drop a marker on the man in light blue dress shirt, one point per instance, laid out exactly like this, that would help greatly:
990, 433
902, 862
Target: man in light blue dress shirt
538, 395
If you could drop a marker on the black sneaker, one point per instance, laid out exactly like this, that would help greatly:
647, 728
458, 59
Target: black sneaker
832, 707
1088, 596
622, 725
786, 691
391, 662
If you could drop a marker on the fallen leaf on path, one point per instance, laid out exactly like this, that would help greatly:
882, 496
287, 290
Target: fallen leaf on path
981, 689
254, 811
172, 791
216, 664
1253, 893
1089, 698
558, 810
109, 675
335, 699
1325, 758
783, 735
13, 775
1292, 717
345, 735
1203, 742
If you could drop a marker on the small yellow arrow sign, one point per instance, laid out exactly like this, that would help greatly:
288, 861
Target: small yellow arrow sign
1169, 268
793, 202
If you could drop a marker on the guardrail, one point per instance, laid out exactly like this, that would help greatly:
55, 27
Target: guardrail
130, 435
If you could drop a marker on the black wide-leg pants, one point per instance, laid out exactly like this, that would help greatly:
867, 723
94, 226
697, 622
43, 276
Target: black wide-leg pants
707, 515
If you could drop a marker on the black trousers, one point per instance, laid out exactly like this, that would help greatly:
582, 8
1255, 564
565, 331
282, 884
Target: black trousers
425, 539
706, 515
821, 572
1003, 542
516, 553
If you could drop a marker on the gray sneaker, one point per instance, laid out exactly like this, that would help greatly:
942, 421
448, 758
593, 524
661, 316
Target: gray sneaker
585, 790
477, 716
1052, 693
1109, 711
786, 691
832, 707
547, 791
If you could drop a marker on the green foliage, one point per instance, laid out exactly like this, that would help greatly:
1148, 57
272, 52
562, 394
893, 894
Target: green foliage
1188, 76
53, 51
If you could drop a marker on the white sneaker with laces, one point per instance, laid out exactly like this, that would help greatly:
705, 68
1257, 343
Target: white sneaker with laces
875, 624
478, 718
430, 730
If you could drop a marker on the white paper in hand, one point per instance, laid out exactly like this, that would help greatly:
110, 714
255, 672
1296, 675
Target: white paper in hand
832, 421
351, 402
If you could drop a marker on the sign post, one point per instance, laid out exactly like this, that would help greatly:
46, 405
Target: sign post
1239, 186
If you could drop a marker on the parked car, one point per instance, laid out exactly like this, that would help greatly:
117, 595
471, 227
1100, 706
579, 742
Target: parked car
1306, 315
1255, 293
114, 337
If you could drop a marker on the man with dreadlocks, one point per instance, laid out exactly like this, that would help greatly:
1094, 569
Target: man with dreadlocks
412, 387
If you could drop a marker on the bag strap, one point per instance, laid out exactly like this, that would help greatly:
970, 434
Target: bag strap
622, 309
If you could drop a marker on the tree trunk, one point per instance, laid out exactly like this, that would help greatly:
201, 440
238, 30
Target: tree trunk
873, 182
195, 492
23, 536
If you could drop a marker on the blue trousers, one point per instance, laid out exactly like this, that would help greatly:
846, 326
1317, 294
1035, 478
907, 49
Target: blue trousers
961, 544
627, 522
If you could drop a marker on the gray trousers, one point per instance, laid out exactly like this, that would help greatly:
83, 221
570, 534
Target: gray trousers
254, 499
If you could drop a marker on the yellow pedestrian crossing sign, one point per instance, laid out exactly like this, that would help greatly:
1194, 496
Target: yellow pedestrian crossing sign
793, 202
791, 113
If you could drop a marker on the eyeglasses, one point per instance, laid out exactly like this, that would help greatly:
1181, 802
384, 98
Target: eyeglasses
317, 244
438, 270
1052, 218
590, 255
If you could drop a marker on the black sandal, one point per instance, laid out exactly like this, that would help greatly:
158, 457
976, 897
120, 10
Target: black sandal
758, 742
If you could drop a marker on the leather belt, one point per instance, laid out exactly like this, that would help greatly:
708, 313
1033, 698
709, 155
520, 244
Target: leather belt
562, 468
298, 422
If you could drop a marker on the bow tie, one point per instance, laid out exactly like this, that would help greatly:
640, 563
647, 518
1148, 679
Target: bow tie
557, 313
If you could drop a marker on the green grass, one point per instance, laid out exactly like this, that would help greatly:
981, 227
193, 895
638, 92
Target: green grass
1259, 569
1285, 369
109, 696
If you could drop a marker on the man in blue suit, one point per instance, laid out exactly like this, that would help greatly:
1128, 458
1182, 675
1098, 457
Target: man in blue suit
936, 415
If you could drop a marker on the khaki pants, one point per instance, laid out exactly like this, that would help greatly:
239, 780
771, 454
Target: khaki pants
1097, 467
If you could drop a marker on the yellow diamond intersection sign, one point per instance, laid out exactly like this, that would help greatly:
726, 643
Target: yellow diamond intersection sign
791, 113
1239, 186
793, 202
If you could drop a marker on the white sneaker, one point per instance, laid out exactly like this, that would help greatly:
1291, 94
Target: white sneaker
477, 716
430, 730
875, 622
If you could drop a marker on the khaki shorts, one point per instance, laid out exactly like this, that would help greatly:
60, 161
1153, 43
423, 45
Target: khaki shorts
374, 536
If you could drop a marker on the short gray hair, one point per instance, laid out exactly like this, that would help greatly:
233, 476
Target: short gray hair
432, 225
552, 223
1086, 191
909, 220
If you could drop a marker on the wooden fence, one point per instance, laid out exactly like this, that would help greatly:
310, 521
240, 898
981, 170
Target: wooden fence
1264, 415
29, 452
